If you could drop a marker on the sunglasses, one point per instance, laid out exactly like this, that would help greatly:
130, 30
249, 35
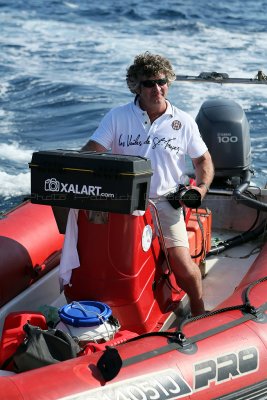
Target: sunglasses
149, 83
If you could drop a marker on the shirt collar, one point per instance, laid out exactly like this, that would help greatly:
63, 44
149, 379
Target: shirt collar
169, 110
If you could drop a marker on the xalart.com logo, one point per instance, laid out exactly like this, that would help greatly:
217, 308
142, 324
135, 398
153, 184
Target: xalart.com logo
53, 185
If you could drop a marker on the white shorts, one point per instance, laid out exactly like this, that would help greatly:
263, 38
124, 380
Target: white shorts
172, 224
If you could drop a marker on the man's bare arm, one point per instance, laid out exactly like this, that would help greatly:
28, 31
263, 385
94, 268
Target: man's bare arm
204, 171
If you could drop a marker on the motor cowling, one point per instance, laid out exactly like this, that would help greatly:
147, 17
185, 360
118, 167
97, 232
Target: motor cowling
225, 129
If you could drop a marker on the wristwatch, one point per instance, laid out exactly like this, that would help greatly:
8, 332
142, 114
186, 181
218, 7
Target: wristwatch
204, 184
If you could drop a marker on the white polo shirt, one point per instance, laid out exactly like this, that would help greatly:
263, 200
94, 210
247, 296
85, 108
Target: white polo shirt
166, 142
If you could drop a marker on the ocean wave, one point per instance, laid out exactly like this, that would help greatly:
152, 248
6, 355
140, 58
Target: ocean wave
14, 185
63, 66
15, 153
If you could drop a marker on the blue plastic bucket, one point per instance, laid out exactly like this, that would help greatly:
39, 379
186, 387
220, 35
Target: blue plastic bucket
85, 313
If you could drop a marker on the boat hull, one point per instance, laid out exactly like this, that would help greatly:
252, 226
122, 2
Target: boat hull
223, 354
30, 247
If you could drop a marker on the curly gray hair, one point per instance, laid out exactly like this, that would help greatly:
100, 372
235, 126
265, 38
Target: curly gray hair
148, 65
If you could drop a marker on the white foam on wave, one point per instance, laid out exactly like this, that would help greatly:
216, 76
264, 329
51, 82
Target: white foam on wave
4, 86
14, 185
209, 48
97, 54
11, 184
262, 139
190, 56
71, 5
14, 152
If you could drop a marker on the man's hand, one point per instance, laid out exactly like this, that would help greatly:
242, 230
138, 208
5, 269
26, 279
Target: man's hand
94, 146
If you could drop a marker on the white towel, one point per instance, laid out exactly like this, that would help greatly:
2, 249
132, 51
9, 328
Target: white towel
69, 257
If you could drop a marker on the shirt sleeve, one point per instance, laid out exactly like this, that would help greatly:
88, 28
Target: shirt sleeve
104, 134
196, 145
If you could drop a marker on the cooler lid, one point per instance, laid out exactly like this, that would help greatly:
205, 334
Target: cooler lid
84, 313
91, 162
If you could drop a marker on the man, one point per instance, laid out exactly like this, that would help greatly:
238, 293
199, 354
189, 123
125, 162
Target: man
152, 127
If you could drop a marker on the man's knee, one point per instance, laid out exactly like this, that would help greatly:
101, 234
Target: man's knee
182, 263
180, 256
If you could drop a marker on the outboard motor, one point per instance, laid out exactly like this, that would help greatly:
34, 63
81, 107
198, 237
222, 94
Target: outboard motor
225, 129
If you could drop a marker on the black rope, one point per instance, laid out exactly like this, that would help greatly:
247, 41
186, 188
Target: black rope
210, 314
178, 340
203, 239
251, 286
246, 307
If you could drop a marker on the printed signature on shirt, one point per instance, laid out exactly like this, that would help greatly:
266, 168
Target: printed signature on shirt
156, 141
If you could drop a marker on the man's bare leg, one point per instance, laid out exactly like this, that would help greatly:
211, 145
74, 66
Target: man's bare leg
188, 277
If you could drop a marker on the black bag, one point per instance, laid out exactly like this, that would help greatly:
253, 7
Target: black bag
43, 347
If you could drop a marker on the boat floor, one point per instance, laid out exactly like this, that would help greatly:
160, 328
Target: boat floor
224, 271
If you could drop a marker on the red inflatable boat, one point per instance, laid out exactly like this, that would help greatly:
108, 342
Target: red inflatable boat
139, 342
